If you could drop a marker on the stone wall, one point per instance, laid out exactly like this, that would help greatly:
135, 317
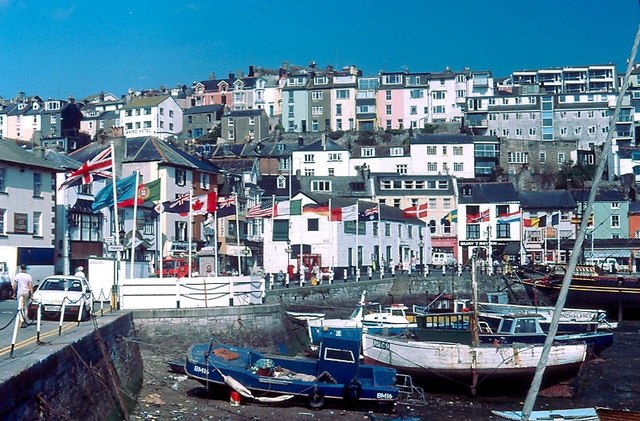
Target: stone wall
76, 380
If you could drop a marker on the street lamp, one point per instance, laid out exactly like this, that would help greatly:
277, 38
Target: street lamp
245, 252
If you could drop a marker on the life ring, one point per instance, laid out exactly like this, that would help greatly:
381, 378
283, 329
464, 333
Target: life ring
353, 390
316, 398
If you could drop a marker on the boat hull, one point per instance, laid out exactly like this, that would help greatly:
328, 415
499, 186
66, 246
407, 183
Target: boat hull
457, 363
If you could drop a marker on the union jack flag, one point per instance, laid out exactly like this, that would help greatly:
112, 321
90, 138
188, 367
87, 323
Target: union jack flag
227, 206
178, 205
370, 214
98, 166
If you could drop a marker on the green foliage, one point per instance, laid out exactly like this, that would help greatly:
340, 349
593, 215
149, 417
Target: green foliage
366, 138
574, 176
335, 135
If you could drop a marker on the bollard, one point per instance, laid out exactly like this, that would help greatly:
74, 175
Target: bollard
357, 274
459, 270
369, 272
64, 301
344, 275
231, 292
39, 323
426, 270
444, 269
331, 277
272, 281
286, 280
393, 271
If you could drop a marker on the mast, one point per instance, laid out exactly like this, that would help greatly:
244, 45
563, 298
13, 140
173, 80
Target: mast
575, 253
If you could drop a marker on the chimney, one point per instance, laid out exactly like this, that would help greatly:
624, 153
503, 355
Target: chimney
232, 76
300, 140
251, 71
324, 141
212, 76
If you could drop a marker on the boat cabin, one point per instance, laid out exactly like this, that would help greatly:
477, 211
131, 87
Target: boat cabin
520, 324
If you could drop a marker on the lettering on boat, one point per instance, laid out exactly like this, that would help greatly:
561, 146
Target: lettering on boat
381, 344
199, 369
384, 396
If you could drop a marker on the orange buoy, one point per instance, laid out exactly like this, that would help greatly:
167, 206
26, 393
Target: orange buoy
234, 398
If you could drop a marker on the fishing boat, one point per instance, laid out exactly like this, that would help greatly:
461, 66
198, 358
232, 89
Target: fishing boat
526, 328
575, 414
589, 288
450, 355
366, 317
336, 374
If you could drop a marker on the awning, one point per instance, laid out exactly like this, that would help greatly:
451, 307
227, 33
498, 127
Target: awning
235, 250
512, 248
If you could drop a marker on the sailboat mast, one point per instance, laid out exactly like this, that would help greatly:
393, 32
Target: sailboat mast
575, 253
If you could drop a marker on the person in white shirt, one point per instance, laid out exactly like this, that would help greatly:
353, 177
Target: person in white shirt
23, 289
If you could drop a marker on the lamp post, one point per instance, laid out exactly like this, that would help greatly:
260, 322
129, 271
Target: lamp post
245, 252
287, 276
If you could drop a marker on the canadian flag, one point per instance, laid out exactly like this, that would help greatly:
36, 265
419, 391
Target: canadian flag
417, 211
204, 204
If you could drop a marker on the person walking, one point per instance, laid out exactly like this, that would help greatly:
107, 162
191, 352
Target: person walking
23, 290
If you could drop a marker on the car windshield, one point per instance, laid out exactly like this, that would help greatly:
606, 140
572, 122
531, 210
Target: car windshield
61, 284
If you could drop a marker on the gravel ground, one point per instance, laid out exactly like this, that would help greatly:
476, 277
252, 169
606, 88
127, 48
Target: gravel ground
609, 381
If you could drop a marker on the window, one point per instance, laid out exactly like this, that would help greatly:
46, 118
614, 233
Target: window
147, 124
146, 111
542, 157
387, 95
561, 158
458, 166
313, 224
3, 183
204, 181
396, 151
316, 95
532, 131
338, 124
170, 113
414, 110
401, 168
518, 157
615, 205
503, 230
291, 114
518, 132
457, 150
3, 216
309, 158
388, 109
438, 94
181, 177
460, 93
439, 109
171, 126
577, 130
432, 166
21, 223
314, 125
316, 110
37, 184
416, 93
615, 221
367, 152
338, 109
342, 94
563, 130
335, 156
432, 150
505, 116
252, 121
331, 172
137, 124
161, 111
473, 231
37, 224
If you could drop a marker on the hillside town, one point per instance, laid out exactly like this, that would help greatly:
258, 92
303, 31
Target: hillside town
289, 169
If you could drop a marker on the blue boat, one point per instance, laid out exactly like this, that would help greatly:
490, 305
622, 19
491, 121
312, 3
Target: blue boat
336, 374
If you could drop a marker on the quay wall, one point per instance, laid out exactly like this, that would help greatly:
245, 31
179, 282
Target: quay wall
78, 379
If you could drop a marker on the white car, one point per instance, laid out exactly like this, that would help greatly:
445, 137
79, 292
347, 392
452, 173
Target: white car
53, 290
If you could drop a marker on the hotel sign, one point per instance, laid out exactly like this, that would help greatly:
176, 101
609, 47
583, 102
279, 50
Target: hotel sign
476, 243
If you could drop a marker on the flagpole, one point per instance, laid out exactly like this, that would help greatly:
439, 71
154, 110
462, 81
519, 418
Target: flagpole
134, 229
238, 236
544, 238
558, 235
357, 245
215, 237
190, 230
331, 240
380, 265
116, 227
159, 247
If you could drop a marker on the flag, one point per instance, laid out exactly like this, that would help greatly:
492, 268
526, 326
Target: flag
370, 214
555, 219
536, 222
98, 166
261, 210
227, 206
452, 216
347, 213
473, 218
204, 204
178, 205
288, 207
484, 216
507, 218
417, 211
147, 192
125, 188
320, 209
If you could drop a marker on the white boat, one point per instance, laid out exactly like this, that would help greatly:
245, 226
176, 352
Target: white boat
466, 364
576, 414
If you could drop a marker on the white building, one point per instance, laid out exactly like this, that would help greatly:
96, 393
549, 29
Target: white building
159, 116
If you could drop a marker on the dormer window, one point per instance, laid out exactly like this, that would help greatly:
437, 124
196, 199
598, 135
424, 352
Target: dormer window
396, 151
466, 190
320, 80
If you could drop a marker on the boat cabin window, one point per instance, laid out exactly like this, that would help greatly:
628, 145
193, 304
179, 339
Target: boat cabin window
342, 355
526, 326
506, 325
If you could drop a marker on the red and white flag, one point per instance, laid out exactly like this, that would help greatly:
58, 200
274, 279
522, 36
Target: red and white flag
98, 166
417, 211
204, 204
347, 213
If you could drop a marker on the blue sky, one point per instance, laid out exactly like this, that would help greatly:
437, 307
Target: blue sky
61, 48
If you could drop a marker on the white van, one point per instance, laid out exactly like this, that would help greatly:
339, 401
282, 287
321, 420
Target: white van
440, 258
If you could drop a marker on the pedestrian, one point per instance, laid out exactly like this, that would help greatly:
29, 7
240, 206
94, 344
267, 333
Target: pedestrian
316, 273
23, 290
80, 272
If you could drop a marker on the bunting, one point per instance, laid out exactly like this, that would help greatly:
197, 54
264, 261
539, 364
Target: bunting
98, 166
416, 211
288, 207
452, 216
125, 188
227, 206
507, 218
147, 192
261, 210
370, 214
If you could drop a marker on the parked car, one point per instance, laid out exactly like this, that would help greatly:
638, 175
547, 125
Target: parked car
51, 292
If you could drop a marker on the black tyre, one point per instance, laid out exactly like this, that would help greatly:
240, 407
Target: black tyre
316, 399
353, 390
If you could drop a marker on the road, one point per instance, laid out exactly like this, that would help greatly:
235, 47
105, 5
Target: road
27, 338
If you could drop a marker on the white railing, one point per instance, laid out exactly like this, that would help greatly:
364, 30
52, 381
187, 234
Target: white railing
221, 291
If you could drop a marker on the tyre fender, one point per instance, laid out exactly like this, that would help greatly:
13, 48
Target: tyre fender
353, 390
316, 398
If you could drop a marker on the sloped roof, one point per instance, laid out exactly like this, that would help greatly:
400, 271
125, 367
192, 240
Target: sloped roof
429, 139
61, 160
553, 200
269, 183
12, 153
147, 101
245, 113
603, 195
203, 109
487, 193
318, 146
